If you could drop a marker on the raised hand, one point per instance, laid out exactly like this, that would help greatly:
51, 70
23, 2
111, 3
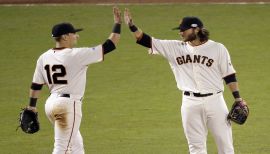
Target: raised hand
127, 17
117, 15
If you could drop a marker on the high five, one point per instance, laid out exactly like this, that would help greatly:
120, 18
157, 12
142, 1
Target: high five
200, 66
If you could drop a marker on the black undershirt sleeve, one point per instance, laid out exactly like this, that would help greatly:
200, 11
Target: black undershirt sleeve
35, 86
230, 78
108, 46
145, 41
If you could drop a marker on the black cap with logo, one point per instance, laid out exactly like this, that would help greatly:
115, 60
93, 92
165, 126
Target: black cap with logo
189, 22
63, 28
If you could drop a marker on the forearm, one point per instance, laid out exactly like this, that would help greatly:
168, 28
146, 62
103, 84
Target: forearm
233, 86
114, 37
137, 33
142, 38
34, 94
110, 44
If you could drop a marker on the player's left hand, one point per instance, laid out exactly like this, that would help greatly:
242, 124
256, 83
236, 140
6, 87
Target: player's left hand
28, 120
239, 112
128, 18
117, 15
34, 109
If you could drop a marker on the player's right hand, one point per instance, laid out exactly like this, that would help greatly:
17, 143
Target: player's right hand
127, 17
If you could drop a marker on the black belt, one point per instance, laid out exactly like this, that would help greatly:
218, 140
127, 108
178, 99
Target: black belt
187, 93
64, 95
69, 96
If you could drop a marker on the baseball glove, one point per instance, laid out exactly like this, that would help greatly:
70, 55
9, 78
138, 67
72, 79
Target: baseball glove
239, 112
28, 121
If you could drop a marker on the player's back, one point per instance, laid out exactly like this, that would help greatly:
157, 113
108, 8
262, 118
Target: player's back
64, 70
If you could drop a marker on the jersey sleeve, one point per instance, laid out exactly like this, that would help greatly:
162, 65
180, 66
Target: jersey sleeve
90, 55
226, 66
38, 76
162, 47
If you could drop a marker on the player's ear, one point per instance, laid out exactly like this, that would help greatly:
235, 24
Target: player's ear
64, 37
197, 29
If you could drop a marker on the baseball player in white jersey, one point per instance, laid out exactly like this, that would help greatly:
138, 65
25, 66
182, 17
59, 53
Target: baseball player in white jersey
199, 65
63, 70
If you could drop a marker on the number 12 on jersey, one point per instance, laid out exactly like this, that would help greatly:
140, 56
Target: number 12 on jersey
54, 72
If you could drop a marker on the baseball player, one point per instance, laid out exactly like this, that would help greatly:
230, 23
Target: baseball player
199, 65
63, 70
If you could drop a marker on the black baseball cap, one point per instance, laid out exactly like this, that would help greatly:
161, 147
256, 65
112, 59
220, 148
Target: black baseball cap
189, 22
63, 28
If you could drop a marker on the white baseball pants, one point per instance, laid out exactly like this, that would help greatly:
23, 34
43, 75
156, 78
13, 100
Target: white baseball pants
202, 113
65, 114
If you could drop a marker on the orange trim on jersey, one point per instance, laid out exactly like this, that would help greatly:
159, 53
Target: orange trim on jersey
72, 128
151, 46
102, 53
59, 48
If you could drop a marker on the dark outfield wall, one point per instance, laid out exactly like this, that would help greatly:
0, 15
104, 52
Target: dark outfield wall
122, 1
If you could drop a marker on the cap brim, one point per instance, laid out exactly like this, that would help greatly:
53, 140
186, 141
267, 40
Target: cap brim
78, 30
176, 28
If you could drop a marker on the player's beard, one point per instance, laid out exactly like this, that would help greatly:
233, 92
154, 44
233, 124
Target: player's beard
190, 37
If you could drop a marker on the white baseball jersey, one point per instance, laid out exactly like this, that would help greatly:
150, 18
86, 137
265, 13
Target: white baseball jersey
199, 69
64, 71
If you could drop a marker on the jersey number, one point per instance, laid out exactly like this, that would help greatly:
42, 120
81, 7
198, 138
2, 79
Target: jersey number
57, 71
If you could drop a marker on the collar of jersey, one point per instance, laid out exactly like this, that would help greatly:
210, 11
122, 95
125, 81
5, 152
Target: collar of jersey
200, 46
59, 48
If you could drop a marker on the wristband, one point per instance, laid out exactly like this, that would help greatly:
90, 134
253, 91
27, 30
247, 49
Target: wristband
236, 94
133, 28
33, 102
117, 28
